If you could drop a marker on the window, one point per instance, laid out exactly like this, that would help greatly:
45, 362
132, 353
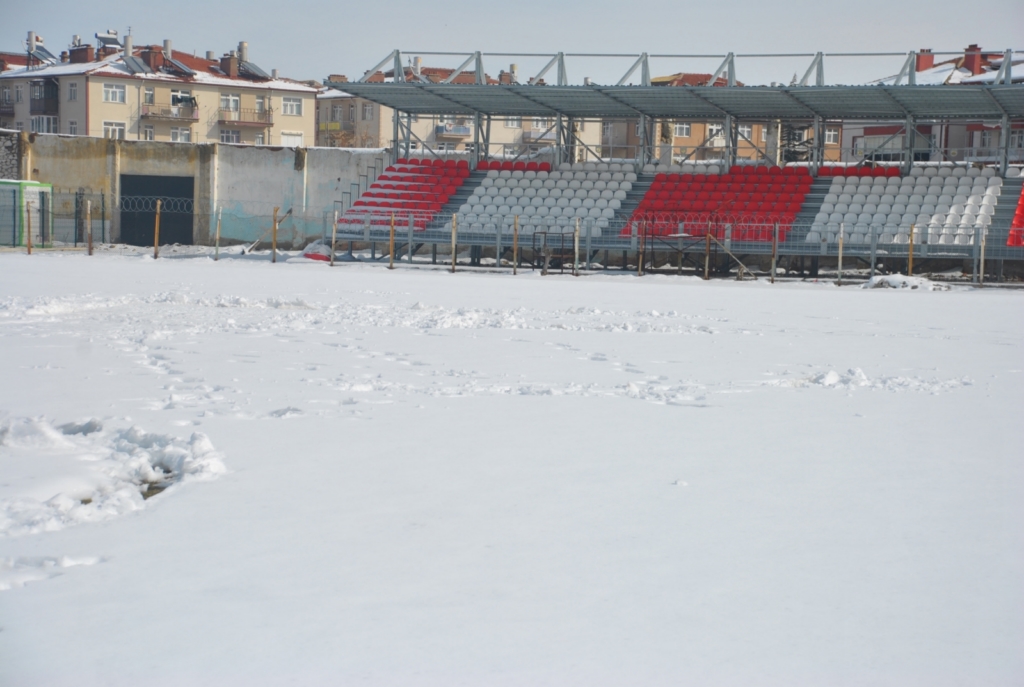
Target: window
147, 133
1017, 139
73, 90
442, 147
336, 113
113, 93
606, 131
179, 97
113, 129
352, 112
541, 122
514, 123
714, 131
986, 139
181, 134
230, 101
19, 125
367, 111
470, 148
230, 136
261, 104
446, 119
292, 140
148, 96
746, 131
291, 106
73, 127
18, 95
37, 90
5, 94
43, 124
259, 138
582, 124
832, 136
764, 132
682, 129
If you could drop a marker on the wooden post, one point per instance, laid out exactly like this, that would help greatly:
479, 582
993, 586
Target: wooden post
156, 231
775, 249
216, 240
273, 238
455, 230
910, 258
28, 221
576, 250
707, 254
391, 244
515, 244
88, 227
842, 230
334, 236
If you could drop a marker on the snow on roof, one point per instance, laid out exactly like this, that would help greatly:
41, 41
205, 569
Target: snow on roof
206, 72
327, 93
945, 73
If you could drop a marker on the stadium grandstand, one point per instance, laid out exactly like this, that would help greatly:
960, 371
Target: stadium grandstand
879, 202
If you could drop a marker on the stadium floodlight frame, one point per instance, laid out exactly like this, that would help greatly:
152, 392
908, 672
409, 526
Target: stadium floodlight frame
808, 101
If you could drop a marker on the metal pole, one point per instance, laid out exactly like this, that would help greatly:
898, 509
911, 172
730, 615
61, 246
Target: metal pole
707, 254
156, 230
640, 256
391, 244
88, 236
590, 230
981, 270
334, 237
775, 249
874, 249
576, 249
28, 220
455, 230
412, 227
216, 244
842, 230
515, 244
273, 238
910, 258
103, 217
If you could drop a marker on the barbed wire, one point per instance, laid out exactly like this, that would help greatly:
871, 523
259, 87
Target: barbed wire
148, 204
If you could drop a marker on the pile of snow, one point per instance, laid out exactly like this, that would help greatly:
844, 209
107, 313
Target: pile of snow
899, 281
56, 476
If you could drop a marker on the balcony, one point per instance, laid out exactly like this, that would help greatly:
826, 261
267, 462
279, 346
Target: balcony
257, 118
174, 113
452, 132
338, 126
6, 108
535, 135
44, 106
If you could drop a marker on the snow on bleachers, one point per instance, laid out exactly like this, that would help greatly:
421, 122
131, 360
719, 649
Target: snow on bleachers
410, 187
748, 199
945, 205
547, 200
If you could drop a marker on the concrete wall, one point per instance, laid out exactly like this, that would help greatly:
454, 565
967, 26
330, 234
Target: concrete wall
245, 183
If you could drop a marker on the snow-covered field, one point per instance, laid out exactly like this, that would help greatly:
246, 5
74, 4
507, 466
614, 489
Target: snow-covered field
239, 473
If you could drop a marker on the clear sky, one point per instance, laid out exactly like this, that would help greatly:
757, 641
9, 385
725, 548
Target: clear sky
307, 39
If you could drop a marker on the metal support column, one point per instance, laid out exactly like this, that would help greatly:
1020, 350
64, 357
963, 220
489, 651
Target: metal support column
730, 141
1004, 144
476, 140
909, 134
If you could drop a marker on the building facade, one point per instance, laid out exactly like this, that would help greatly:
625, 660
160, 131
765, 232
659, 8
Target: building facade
155, 93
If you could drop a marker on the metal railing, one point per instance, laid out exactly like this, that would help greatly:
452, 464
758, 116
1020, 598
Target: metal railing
170, 112
44, 106
246, 116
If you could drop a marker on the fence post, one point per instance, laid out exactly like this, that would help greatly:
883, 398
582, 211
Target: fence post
682, 226
515, 244
874, 249
981, 270
334, 237
28, 220
775, 249
707, 254
455, 230
273, 238
103, 217
412, 228
910, 256
88, 226
156, 230
497, 243
391, 244
842, 230
590, 231
576, 249
640, 254
216, 240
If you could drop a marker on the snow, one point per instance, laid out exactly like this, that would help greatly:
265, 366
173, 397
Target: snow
412, 477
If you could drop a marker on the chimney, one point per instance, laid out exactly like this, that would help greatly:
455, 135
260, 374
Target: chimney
81, 54
167, 48
514, 71
64, 56
972, 59
337, 78
243, 51
128, 46
586, 80
273, 73
211, 56
925, 60
417, 65
76, 40
229, 64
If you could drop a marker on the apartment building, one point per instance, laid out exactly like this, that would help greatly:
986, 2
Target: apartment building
347, 121
706, 140
154, 93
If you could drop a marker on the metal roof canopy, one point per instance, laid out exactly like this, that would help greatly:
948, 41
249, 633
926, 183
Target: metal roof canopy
698, 102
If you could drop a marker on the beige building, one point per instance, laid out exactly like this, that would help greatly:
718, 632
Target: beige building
154, 93
344, 120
